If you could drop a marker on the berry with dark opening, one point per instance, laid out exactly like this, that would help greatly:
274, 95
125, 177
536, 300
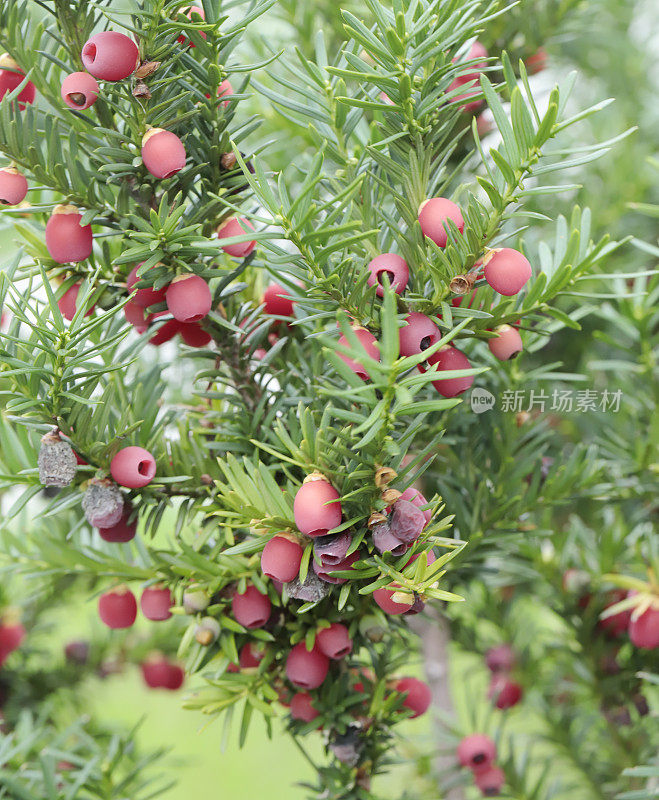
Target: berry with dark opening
418, 334
385, 541
57, 461
385, 599
66, 239
11, 77
102, 503
394, 267
369, 345
302, 707
163, 153
118, 608
327, 573
147, 296
490, 781
644, 628
476, 751
317, 507
407, 521
251, 608
333, 549
281, 557
189, 298
335, 641
110, 56
133, 467
13, 186
450, 358
277, 301
506, 270
504, 692
236, 227
306, 669
80, 90
500, 658
156, 602
506, 344
433, 216
417, 695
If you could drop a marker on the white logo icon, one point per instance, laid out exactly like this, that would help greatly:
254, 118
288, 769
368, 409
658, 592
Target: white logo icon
481, 401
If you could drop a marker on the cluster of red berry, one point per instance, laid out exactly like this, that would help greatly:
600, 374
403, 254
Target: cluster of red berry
478, 753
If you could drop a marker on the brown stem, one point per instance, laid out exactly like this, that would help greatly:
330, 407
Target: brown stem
433, 631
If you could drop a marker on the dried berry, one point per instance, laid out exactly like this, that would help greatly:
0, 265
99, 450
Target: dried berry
57, 461
103, 503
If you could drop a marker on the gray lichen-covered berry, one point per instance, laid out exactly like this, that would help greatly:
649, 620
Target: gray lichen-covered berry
103, 503
312, 590
57, 462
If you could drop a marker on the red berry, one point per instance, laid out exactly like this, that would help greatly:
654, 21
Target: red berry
12, 635
415, 496
155, 671
133, 467
77, 651
504, 692
110, 56
147, 296
616, 624
281, 558
477, 50
174, 677
251, 608
156, 602
506, 270
477, 751
137, 316
500, 658
278, 301
236, 227
66, 239
189, 298
418, 334
163, 153
418, 695
80, 90
182, 39
506, 344
537, 62
384, 598
123, 531
394, 267
225, 89
434, 213
317, 507
490, 781
13, 186
166, 332
644, 629
368, 343
302, 707
118, 608
449, 358
11, 77
68, 302
251, 655
334, 642
306, 669
194, 335
325, 573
